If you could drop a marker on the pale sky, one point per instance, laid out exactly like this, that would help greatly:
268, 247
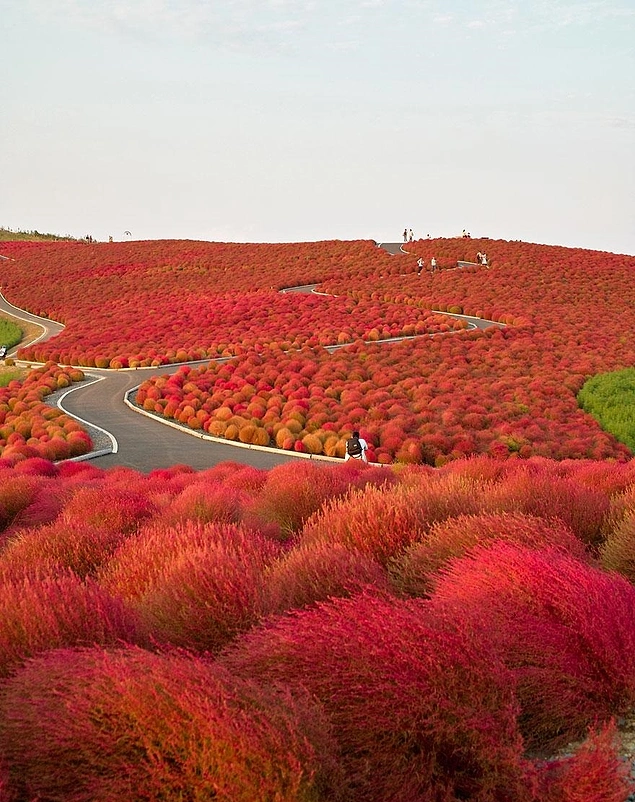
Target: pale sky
295, 120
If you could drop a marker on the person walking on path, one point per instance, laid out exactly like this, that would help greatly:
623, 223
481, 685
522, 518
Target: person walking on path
411, 236
356, 448
420, 265
405, 235
433, 264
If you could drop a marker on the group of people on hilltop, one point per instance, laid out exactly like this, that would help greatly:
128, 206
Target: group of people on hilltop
421, 264
408, 235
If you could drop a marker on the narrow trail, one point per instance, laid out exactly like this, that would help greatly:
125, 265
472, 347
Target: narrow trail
130, 438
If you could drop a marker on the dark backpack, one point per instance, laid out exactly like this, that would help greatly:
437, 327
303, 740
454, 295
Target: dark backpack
354, 447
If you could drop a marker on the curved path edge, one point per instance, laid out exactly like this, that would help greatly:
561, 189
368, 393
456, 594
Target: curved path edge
136, 441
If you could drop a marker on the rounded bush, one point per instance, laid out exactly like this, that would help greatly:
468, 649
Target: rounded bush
318, 571
617, 553
565, 628
87, 725
45, 613
413, 572
419, 711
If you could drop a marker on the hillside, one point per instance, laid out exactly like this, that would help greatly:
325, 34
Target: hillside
445, 392
7, 235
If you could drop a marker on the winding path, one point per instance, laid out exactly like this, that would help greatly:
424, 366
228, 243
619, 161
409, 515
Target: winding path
143, 442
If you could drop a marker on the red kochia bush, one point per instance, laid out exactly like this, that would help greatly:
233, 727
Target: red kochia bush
381, 521
317, 571
42, 614
413, 571
87, 725
595, 773
195, 585
292, 492
5, 790
375, 521
206, 501
565, 629
581, 507
420, 712
109, 507
61, 546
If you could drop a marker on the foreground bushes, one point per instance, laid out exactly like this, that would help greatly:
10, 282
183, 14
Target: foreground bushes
230, 633
129, 725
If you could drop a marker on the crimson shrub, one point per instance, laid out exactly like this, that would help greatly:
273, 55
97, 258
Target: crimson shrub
413, 571
420, 711
97, 726
39, 614
565, 629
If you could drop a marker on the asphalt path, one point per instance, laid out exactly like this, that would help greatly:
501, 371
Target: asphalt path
143, 442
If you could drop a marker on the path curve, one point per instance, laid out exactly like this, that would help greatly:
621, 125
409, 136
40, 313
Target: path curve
144, 442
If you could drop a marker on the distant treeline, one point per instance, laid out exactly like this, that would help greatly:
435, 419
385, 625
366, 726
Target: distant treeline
9, 234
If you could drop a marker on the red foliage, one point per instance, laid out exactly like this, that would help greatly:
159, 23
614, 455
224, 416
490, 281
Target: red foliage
595, 773
318, 571
39, 614
506, 392
34, 433
413, 572
194, 585
206, 502
84, 725
107, 506
381, 521
411, 725
293, 492
565, 629
375, 521
68, 544
583, 508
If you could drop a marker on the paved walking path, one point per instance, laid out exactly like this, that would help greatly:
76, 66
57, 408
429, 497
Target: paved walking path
142, 442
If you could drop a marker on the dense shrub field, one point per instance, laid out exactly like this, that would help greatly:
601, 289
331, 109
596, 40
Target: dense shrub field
568, 314
317, 632
29, 427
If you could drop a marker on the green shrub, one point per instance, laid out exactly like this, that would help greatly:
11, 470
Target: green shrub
610, 398
10, 332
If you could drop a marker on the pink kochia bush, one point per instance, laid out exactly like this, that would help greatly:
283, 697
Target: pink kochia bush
413, 570
419, 710
564, 628
128, 725
46, 613
194, 585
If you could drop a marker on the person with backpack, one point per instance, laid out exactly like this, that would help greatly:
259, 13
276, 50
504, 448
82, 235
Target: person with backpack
356, 448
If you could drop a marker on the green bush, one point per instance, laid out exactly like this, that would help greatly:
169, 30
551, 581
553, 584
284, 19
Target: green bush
10, 332
610, 398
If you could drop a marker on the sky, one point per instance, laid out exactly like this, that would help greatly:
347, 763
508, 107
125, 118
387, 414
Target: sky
303, 120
